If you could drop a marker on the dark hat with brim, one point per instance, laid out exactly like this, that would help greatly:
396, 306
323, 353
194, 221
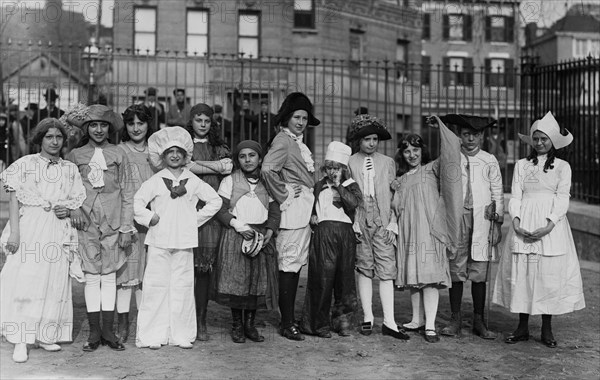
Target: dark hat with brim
477, 123
294, 102
364, 125
31, 107
361, 111
50, 94
98, 112
151, 91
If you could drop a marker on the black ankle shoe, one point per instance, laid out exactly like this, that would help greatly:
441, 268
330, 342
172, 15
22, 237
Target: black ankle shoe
117, 346
292, 333
91, 346
517, 336
400, 334
549, 341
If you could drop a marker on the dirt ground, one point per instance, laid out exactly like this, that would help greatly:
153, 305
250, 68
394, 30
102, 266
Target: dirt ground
372, 357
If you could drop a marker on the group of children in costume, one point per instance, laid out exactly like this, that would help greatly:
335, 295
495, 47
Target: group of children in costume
237, 228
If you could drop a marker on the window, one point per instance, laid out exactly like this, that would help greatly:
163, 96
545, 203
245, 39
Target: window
426, 32
425, 70
458, 71
457, 27
249, 34
402, 60
584, 47
144, 31
197, 32
499, 29
356, 44
304, 14
499, 72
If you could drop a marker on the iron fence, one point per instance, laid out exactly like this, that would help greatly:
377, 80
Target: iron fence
402, 94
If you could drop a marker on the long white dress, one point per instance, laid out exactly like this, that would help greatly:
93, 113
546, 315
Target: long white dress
35, 287
542, 277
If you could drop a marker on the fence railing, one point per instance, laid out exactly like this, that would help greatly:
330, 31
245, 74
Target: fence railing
402, 94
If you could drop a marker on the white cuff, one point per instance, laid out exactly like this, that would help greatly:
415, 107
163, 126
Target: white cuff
238, 226
553, 218
393, 226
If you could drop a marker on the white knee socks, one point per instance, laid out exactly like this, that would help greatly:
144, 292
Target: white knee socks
386, 293
123, 300
431, 297
365, 291
100, 292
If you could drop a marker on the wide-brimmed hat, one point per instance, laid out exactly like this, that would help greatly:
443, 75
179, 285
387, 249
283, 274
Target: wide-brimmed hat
50, 94
550, 127
252, 247
365, 125
339, 152
96, 112
167, 138
477, 123
294, 102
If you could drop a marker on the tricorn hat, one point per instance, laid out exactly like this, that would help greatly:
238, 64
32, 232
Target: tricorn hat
477, 123
550, 127
294, 102
365, 125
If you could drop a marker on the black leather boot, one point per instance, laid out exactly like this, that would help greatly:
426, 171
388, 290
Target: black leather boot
249, 327
237, 327
95, 332
123, 327
108, 336
453, 328
479, 328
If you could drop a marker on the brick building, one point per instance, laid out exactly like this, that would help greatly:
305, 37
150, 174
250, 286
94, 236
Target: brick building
343, 54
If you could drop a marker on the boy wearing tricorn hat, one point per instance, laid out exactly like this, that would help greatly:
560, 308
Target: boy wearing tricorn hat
375, 222
482, 187
105, 220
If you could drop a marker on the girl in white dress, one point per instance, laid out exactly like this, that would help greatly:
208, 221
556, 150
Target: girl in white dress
539, 270
35, 288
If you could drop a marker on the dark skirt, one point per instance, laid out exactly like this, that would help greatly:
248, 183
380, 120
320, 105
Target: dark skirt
330, 273
242, 282
208, 244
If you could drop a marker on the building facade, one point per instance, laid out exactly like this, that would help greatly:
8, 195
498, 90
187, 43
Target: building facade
342, 54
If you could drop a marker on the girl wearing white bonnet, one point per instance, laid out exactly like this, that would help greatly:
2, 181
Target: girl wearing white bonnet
539, 270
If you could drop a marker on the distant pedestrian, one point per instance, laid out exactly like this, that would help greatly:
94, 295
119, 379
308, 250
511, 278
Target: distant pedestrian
51, 109
179, 113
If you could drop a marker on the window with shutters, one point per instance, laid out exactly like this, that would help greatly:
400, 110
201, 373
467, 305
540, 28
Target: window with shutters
499, 29
304, 14
499, 72
458, 71
457, 27
197, 32
249, 34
